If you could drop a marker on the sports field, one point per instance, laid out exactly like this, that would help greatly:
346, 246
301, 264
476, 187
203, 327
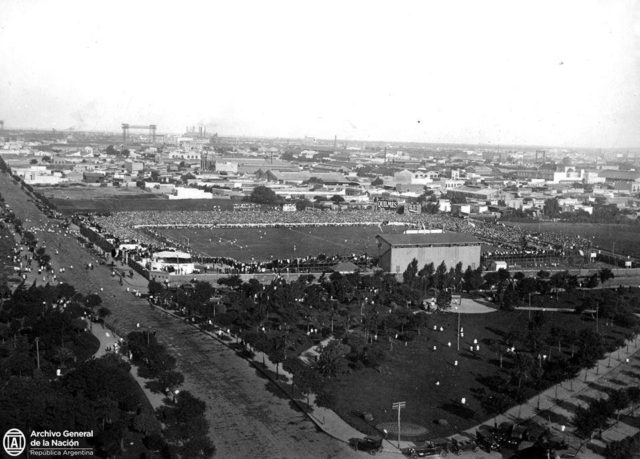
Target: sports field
83, 198
281, 243
622, 239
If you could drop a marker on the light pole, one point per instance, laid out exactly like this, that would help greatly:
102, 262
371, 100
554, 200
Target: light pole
458, 328
37, 340
398, 406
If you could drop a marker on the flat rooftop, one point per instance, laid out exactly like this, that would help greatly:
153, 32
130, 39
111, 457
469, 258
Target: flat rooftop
417, 240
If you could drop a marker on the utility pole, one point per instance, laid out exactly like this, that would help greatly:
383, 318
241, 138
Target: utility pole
398, 406
458, 328
38, 352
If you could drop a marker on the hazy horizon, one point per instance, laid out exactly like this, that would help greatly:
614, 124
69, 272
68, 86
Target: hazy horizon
501, 73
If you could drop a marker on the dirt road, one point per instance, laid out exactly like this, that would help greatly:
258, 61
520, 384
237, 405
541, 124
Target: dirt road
246, 419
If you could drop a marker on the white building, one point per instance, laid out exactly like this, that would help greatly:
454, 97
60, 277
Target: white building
38, 175
444, 205
189, 193
230, 167
172, 261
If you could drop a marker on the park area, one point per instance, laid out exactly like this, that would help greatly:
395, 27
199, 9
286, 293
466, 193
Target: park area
422, 370
380, 345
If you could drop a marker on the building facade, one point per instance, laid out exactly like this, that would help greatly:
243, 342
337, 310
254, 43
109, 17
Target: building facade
396, 251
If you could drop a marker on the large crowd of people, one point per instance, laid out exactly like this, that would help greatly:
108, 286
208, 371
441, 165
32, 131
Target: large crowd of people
500, 240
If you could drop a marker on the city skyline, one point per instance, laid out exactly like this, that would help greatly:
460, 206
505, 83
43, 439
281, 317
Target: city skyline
540, 73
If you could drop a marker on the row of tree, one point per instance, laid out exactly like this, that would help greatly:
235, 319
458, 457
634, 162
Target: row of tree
184, 423
598, 413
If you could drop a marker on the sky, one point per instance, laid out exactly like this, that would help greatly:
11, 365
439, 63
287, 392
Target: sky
557, 73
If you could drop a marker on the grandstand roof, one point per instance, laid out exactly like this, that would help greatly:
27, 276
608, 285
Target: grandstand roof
412, 240
619, 175
169, 254
346, 267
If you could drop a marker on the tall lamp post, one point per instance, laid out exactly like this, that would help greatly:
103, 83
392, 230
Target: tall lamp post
458, 327
37, 340
398, 406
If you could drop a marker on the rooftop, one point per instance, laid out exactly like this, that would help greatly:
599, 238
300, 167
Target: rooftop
405, 240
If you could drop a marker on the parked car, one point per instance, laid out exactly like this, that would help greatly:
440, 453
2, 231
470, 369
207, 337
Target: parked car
444, 444
460, 445
518, 435
363, 415
486, 440
426, 450
372, 445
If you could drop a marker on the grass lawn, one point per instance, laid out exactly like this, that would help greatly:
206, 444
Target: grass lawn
410, 372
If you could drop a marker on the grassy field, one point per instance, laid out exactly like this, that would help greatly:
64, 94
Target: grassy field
83, 198
132, 203
410, 372
625, 237
280, 243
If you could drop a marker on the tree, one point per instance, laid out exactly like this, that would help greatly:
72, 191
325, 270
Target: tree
302, 204
522, 368
170, 380
593, 281
305, 378
234, 281
63, 355
332, 362
146, 424
426, 276
377, 181
443, 299
29, 239
33, 161
552, 207
440, 276
337, 199
155, 287
186, 426
472, 279
605, 274
410, 273
542, 274
527, 286
264, 195
202, 292
93, 300
509, 298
